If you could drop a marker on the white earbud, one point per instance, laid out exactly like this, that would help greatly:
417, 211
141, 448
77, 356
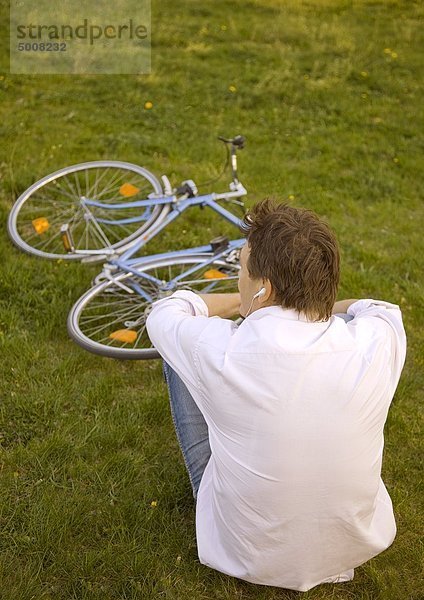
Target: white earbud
261, 292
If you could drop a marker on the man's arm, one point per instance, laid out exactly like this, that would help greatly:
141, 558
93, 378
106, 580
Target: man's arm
177, 323
228, 305
222, 305
379, 326
341, 306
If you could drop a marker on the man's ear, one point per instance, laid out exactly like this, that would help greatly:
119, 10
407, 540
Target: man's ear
269, 292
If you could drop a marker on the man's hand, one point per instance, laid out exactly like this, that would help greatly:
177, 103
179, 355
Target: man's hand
222, 305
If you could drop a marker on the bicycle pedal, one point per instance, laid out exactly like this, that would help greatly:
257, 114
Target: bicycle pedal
191, 188
67, 240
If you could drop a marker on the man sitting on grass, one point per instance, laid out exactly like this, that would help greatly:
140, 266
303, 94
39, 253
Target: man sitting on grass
280, 419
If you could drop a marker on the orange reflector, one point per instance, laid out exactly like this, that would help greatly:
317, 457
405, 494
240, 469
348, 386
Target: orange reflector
214, 274
127, 336
128, 190
40, 225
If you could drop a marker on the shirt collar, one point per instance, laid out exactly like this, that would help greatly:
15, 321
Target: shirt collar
278, 311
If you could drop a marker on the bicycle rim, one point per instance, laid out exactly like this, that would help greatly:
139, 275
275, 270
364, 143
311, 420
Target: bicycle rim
110, 321
37, 216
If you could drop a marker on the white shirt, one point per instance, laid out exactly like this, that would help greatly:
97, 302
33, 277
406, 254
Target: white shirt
292, 494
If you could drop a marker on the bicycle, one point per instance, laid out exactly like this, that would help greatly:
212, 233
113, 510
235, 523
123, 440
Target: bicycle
109, 319
101, 209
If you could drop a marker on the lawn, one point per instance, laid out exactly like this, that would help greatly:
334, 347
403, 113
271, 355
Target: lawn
94, 499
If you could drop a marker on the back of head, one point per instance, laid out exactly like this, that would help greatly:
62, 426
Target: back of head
298, 253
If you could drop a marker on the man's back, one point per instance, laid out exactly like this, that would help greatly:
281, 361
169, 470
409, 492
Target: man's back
292, 493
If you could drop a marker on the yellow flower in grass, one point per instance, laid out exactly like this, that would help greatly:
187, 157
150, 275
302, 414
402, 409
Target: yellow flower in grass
153, 503
232, 89
390, 53
148, 105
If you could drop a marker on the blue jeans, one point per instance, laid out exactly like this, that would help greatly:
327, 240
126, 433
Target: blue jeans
190, 426
344, 316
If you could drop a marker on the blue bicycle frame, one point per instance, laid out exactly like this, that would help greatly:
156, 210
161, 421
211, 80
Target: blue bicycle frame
179, 205
127, 265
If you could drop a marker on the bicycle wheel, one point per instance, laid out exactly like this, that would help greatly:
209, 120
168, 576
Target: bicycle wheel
110, 320
38, 215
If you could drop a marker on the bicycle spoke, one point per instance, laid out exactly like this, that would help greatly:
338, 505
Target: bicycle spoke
58, 189
71, 189
139, 336
84, 235
111, 185
123, 313
49, 240
109, 231
98, 233
77, 182
109, 325
115, 184
96, 183
45, 209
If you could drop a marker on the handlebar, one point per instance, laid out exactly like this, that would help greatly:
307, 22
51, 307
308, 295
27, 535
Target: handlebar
236, 143
189, 188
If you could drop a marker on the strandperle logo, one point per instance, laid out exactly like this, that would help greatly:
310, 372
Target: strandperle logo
84, 31
101, 37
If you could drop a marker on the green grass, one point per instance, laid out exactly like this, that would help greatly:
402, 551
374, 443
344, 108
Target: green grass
329, 96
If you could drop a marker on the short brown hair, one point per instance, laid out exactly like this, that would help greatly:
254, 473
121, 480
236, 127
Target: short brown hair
298, 253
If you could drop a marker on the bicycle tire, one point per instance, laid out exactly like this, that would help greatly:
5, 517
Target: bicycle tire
106, 308
36, 217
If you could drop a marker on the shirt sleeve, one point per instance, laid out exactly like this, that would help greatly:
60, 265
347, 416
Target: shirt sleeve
384, 321
175, 325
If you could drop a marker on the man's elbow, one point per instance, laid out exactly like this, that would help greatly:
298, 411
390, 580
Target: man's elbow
151, 325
